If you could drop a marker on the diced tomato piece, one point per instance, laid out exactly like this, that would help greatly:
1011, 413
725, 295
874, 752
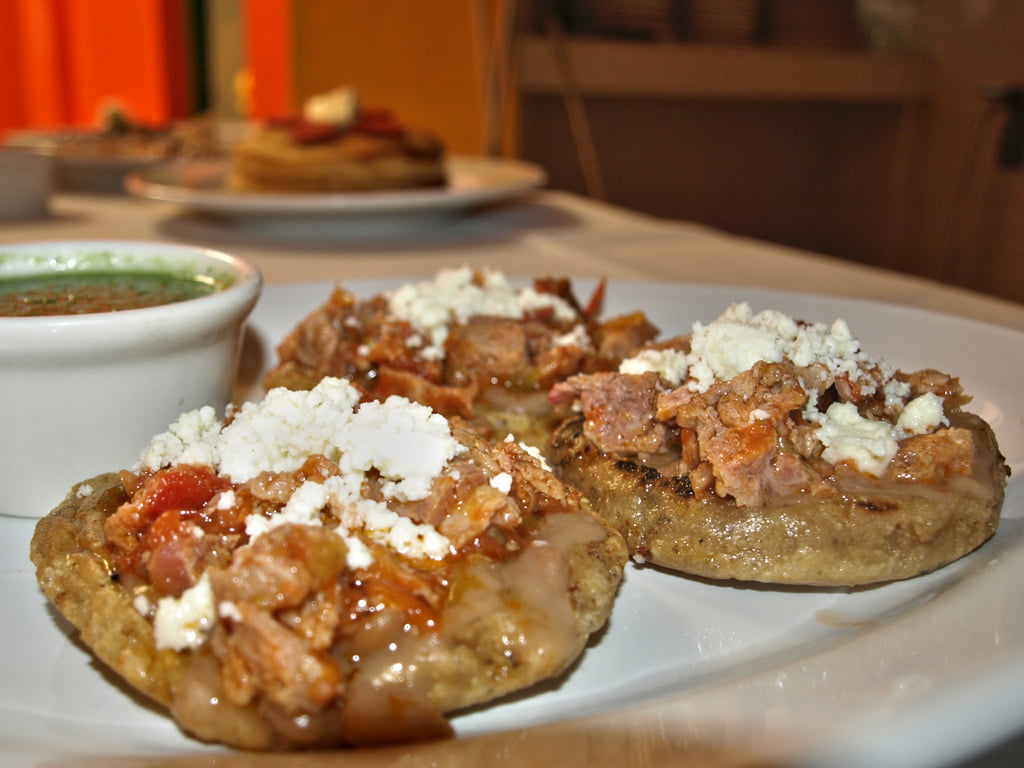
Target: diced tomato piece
378, 122
306, 133
187, 487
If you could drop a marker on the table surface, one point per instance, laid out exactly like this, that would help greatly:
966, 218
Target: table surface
548, 233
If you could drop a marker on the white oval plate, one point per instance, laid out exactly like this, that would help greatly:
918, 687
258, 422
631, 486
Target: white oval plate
472, 181
916, 674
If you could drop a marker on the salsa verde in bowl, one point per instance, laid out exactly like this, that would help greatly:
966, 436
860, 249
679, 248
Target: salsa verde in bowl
85, 293
102, 342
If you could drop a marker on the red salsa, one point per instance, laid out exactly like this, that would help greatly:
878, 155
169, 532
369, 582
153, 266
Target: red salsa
78, 293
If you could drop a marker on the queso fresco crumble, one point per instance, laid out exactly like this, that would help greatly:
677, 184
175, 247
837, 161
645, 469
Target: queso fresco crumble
739, 338
406, 443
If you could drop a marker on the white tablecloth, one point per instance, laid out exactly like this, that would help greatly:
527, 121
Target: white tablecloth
550, 233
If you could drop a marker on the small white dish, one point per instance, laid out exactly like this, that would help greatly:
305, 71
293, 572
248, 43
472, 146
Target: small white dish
26, 182
83, 392
83, 172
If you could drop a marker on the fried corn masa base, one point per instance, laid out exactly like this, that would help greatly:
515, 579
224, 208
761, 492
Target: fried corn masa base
867, 535
69, 552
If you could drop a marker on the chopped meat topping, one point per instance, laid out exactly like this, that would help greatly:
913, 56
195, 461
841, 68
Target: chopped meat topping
740, 426
932, 457
386, 354
297, 616
756, 435
620, 410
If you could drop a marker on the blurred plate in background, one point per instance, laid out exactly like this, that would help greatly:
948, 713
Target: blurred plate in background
472, 181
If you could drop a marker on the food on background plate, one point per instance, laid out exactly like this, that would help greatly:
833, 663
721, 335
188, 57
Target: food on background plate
120, 137
764, 448
466, 343
336, 145
317, 570
97, 160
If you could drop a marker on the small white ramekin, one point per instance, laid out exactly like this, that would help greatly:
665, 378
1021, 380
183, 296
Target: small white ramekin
83, 394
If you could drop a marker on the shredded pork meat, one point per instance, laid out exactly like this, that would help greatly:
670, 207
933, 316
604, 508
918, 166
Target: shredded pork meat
748, 438
359, 340
289, 600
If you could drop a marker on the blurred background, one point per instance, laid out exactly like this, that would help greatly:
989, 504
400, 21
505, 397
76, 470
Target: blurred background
886, 132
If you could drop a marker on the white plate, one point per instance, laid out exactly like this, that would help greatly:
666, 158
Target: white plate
472, 181
915, 673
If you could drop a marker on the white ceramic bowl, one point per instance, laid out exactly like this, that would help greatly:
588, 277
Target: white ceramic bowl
83, 394
26, 181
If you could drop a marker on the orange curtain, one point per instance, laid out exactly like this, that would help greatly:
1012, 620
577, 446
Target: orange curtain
268, 38
69, 59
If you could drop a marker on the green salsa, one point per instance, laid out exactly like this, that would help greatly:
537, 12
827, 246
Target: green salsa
79, 293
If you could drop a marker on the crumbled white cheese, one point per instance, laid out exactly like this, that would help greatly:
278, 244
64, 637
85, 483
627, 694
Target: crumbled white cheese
279, 433
923, 414
413, 539
142, 604
192, 428
758, 414
739, 338
502, 481
895, 392
337, 107
359, 555
302, 508
531, 450
455, 295
577, 337
311, 499
670, 364
733, 343
406, 442
83, 490
529, 300
228, 609
848, 436
380, 524
183, 622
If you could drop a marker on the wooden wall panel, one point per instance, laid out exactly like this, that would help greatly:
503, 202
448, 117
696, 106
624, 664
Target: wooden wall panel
815, 176
967, 220
423, 60
909, 183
